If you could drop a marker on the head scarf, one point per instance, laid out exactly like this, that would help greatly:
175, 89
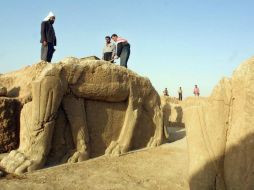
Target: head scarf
49, 16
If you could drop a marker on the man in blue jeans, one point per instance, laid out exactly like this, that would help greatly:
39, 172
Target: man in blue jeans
48, 38
122, 49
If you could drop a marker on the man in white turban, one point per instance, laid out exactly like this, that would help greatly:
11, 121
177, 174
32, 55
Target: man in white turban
48, 37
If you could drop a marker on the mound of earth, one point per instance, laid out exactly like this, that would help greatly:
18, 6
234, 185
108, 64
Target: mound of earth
163, 168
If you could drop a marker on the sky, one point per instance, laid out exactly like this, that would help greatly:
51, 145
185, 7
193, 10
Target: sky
173, 42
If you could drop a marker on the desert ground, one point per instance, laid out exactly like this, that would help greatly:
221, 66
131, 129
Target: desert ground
161, 168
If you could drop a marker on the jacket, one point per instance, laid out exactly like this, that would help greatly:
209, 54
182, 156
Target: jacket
48, 33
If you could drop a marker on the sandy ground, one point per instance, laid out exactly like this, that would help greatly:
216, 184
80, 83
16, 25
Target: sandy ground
161, 168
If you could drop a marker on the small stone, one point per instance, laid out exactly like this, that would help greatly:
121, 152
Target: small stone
1, 174
3, 91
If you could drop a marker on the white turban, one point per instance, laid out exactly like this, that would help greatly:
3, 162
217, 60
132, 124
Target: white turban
49, 16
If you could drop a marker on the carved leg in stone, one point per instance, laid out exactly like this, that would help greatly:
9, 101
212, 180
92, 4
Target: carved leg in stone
123, 143
33, 150
160, 131
151, 104
75, 111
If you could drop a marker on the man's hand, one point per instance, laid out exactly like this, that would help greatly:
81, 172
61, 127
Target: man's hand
45, 43
116, 57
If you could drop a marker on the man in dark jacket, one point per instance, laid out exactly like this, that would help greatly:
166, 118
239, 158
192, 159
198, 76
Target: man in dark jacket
122, 49
48, 38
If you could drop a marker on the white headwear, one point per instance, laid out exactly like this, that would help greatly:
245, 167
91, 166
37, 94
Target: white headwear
48, 17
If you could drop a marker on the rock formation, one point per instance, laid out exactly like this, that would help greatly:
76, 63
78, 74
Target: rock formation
220, 132
9, 124
81, 108
172, 112
3, 91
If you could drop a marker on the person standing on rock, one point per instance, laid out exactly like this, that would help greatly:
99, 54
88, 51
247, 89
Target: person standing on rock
48, 37
196, 90
122, 49
165, 92
180, 94
109, 50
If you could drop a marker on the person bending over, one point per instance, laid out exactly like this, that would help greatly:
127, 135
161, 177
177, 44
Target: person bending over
122, 49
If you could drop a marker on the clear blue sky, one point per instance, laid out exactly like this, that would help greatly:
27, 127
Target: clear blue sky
173, 42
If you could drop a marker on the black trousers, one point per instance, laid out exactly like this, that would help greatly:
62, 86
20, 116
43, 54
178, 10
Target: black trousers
180, 96
47, 52
108, 56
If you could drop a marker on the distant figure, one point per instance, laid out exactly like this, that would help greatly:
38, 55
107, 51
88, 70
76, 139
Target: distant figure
196, 90
109, 50
180, 94
122, 49
165, 92
48, 37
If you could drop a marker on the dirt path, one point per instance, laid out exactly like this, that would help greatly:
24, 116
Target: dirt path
161, 168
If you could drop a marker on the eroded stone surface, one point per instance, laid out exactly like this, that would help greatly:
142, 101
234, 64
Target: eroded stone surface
3, 91
220, 134
9, 124
73, 95
172, 112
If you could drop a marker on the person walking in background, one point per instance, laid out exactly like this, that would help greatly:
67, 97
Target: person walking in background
180, 94
196, 90
48, 37
109, 50
122, 49
165, 92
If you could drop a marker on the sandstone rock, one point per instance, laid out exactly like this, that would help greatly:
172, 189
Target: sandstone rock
172, 117
1, 174
82, 108
18, 83
3, 91
239, 154
172, 112
90, 58
205, 143
9, 124
220, 134
17, 87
